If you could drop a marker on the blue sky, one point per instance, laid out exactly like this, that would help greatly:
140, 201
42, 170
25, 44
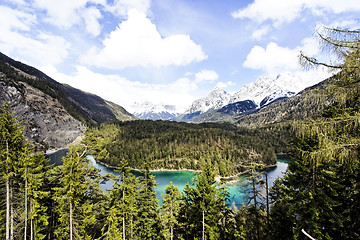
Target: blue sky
167, 51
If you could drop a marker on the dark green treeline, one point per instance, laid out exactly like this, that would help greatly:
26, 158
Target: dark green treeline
173, 145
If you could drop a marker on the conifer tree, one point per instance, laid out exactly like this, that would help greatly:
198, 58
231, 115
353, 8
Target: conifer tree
185, 213
123, 207
320, 188
148, 225
12, 148
74, 207
33, 174
170, 210
205, 205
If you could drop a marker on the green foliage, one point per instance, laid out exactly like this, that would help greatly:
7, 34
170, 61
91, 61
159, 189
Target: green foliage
203, 208
170, 210
23, 174
123, 205
320, 191
73, 196
172, 145
148, 223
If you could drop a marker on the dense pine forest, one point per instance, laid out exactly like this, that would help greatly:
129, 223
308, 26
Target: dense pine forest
66, 202
173, 145
317, 198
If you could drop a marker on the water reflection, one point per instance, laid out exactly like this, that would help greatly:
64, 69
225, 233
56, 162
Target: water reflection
180, 178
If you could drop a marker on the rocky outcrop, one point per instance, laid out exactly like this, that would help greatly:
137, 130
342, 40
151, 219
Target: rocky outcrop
46, 122
53, 114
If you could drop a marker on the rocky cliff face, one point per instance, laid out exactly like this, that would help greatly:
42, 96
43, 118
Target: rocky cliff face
46, 121
53, 114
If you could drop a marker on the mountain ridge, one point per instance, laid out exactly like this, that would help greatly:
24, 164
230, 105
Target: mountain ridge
54, 114
261, 92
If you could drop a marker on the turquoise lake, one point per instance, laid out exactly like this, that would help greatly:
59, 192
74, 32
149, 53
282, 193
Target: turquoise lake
180, 178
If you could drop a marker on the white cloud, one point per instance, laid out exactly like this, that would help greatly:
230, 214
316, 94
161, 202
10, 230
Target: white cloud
125, 92
91, 18
42, 49
121, 7
333, 6
136, 42
12, 19
206, 76
278, 11
223, 85
276, 59
284, 11
67, 13
259, 33
272, 58
64, 13
19, 2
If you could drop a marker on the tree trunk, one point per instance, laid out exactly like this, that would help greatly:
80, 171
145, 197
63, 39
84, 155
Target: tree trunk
11, 216
123, 222
171, 223
7, 209
255, 205
7, 196
123, 199
254, 191
203, 225
71, 224
267, 196
26, 207
31, 222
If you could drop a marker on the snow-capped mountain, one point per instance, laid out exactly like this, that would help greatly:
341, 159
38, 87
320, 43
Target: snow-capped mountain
255, 95
268, 85
148, 110
276, 96
215, 100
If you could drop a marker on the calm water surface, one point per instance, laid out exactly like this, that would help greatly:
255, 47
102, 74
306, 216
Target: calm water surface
180, 178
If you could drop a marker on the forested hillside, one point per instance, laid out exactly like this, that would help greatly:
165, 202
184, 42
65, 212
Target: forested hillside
172, 145
39, 201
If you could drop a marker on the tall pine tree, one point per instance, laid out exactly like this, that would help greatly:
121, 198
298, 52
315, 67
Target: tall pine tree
170, 210
72, 197
13, 150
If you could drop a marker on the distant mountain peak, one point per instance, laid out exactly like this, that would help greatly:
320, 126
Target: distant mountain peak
253, 96
216, 99
149, 110
267, 85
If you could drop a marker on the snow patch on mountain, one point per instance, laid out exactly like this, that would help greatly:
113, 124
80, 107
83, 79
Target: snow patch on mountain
267, 85
215, 100
148, 110
276, 96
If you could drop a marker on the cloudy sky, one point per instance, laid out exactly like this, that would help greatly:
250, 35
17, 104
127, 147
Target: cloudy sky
166, 51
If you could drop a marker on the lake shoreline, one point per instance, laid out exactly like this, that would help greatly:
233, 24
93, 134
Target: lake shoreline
218, 178
236, 185
233, 181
